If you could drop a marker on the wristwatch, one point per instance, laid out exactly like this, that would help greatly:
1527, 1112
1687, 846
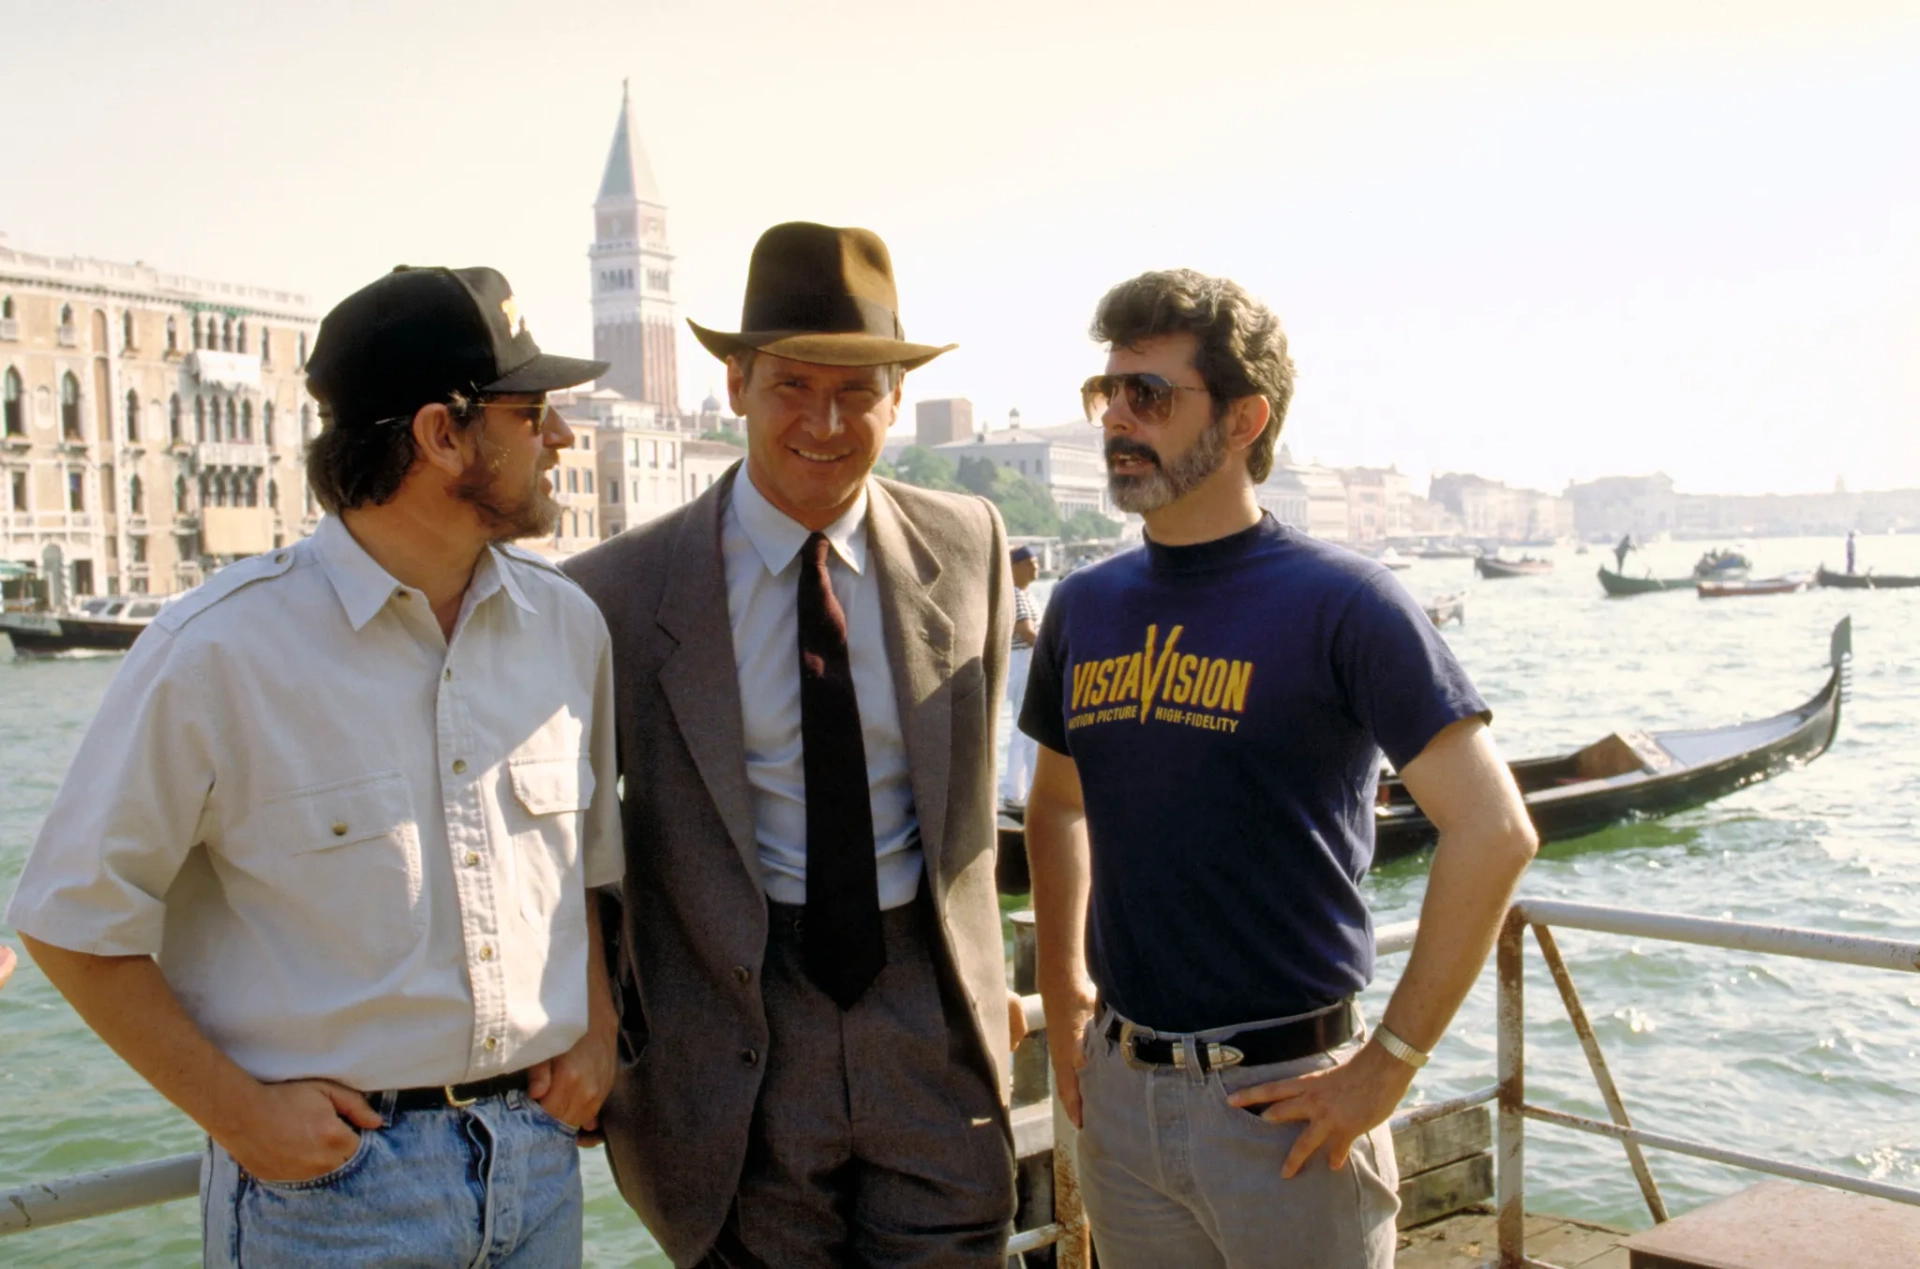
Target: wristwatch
1400, 1048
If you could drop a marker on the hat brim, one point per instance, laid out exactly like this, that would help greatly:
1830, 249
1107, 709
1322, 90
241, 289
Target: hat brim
820, 348
547, 373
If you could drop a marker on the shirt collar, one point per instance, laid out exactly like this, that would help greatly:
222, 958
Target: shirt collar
364, 587
777, 538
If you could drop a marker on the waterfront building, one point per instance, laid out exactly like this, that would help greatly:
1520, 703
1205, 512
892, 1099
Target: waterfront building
576, 488
1064, 458
151, 424
1378, 504
1327, 516
634, 327
1490, 509
1283, 495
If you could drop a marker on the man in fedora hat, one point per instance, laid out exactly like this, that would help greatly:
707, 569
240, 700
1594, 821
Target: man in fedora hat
809, 665
320, 870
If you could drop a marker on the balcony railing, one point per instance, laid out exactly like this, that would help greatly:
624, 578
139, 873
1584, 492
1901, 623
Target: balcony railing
230, 454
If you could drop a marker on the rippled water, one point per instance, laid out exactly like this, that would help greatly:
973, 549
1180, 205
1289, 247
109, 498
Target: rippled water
1819, 1063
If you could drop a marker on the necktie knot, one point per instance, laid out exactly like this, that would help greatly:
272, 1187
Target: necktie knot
816, 550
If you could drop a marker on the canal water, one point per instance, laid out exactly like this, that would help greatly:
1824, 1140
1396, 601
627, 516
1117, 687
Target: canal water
1819, 1063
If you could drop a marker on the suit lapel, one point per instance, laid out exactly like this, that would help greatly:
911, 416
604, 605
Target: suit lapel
699, 678
919, 637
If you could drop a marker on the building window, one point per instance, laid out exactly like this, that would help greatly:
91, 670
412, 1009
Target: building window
673, 455
273, 494
133, 417
246, 421
173, 417
266, 346
20, 491
589, 524
196, 331
136, 496
6, 309
180, 495
173, 334
76, 492
301, 362
70, 407
15, 404
266, 418
126, 330
66, 314
613, 492
253, 490
226, 334
586, 480
138, 545
233, 420
585, 438
240, 336
200, 418
573, 481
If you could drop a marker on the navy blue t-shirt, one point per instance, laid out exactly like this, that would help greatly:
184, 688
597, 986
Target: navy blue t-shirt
1226, 706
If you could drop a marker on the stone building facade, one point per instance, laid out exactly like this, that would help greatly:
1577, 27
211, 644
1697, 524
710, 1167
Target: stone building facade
151, 425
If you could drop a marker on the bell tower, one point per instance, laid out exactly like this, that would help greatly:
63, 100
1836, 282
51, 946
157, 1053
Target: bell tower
632, 269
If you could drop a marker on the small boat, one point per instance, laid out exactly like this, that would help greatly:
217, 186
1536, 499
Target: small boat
1753, 586
1640, 775
1526, 566
1438, 552
1620, 584
107, 624
1447, 608
1864, 581
1721, 565
1392, 559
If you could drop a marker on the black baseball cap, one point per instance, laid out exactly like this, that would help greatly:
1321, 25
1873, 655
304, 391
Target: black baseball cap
418, 335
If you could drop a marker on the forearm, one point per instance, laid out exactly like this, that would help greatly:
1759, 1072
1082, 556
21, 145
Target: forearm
127, 1002
1057, 858
603, 1017
1468, 889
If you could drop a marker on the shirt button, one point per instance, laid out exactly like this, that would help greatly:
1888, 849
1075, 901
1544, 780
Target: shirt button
459, 766
339, 829
473, 858
741, 973
486, 952
749, 1057
491, 1044
401, 594
448, 676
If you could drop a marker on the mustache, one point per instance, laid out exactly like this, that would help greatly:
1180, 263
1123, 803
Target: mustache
1122, 447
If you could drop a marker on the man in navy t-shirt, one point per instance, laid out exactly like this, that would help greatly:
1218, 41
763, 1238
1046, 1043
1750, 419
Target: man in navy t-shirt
1211, 711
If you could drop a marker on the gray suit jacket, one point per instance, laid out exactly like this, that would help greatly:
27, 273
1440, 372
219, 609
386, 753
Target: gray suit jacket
695, 921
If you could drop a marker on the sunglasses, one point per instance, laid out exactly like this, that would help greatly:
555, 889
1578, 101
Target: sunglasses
537, 412
1149, 398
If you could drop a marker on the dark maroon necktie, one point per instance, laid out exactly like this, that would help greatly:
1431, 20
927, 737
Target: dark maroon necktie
844, 947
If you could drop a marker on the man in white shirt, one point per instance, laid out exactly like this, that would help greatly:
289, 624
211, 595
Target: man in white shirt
809, 665
1021, 748
320, 870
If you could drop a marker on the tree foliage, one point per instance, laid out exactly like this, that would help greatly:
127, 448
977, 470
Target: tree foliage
724, 436
1088, 526
918, 465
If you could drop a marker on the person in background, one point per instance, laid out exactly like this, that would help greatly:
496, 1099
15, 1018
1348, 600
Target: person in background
1850, 549
1211, 710
320, 869
1026, 630
810, 665
1620, 549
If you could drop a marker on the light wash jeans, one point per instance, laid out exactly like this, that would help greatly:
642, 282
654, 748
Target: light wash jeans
1174, 1175
496, 1184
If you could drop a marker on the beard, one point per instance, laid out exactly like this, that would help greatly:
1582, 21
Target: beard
507, 513
1168, 481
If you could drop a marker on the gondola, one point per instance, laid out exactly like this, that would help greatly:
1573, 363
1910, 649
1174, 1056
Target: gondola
1625, 776
1640, 775
1620, 584
1865, 581
1491, 567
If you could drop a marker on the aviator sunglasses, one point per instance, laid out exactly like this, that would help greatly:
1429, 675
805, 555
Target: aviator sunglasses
538, 412
1149, 397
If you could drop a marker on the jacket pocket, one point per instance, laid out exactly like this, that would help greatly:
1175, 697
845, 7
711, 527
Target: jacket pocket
551, 792
349, 860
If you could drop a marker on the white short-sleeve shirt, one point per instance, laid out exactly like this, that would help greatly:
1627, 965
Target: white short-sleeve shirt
359, 850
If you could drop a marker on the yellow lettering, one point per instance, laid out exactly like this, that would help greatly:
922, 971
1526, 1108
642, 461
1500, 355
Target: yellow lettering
1079, 683
1183, 680
1098, 696
1158, 674
1239, 677
1216, 683
1129, 688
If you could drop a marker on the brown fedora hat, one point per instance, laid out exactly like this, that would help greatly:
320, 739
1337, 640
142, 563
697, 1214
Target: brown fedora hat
823, 295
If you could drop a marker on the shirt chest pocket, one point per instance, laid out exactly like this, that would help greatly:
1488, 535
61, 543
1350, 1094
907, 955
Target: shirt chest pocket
544, 814
350, 857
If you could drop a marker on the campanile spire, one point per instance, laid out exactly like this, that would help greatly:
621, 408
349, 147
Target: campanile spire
632, 273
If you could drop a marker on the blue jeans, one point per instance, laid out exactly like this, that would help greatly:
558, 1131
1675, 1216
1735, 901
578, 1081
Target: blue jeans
492, 1185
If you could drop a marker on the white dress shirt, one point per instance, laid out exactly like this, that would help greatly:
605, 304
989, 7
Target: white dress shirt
761, 548
360, 850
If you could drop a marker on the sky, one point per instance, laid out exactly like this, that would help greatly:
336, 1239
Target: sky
1540, 242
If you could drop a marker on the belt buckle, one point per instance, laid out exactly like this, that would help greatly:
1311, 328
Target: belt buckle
454, 1099
1128, 1034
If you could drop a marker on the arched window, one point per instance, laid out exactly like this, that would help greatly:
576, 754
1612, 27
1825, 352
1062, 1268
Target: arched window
220, 490
15, 404
246, 421
301, 363
199, 418
266, 346
253, 490
173, 417
180, 495
273, 494
226, 334
233, 421
173, 334
126, 328
198, 338
240, 336
136, 497
66, 314
6, 309
69, 406
266, 419
133, 417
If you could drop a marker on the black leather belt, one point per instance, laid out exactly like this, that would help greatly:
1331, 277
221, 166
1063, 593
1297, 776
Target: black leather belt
1259, 1046
457, 1095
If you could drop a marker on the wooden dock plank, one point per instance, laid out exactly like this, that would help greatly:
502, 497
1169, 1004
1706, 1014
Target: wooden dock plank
1782, 1223
1467, 1240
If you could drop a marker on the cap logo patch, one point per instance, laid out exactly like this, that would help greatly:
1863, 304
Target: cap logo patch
511, 310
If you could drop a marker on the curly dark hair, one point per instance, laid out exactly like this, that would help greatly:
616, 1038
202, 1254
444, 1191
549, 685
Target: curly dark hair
365, 462
1243, 351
